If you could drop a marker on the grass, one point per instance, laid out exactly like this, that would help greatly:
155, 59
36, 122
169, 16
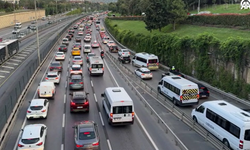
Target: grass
74, 12
116, 14
182, 30
225, 8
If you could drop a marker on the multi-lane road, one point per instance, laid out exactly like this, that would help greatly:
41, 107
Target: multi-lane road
145, 134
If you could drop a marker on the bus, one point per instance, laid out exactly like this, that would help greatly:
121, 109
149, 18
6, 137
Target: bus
143, 59
181, 91
225, 121
118, 106
8, 48
96, 66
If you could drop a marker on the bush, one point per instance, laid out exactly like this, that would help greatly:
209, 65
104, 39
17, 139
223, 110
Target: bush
126, 18
227, 20
203, 57
9, 9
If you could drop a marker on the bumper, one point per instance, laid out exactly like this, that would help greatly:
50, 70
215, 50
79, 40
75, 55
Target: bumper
79, 110
36, 116
187, 104
75, 87
59, 58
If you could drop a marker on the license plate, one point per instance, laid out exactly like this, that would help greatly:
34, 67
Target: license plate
79, 107
126, 61
43, 94
118, 118
203, 96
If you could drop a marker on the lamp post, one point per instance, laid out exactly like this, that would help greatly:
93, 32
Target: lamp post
37, 38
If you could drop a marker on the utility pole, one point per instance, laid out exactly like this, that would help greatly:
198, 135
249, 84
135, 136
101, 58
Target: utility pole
37, 37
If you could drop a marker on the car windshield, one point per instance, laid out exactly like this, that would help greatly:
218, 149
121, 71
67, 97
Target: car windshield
78, 37
77, 44
125, 50
76, 68
55, 64
30, 141
247, 135
97, 65
122, 109
87, 47
65, 40
146, 71
36, 107
84, 134
52, 76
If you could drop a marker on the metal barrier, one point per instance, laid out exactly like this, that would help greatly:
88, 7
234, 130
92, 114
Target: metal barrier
163, 100
12, 99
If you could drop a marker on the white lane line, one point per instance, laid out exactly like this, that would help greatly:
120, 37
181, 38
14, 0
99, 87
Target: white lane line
8, 67
144, 129
21, 55
101, 118
65, 84
16, 60
10, 63
63, 120
95, 97
91, 83
69, 59
68, 65
62, 147
4, 71
2, 76
64, 98
110, 148
25, 120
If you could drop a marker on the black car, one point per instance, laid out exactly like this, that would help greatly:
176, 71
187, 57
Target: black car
72, 34
76, 82
204, 92
75, 26
124, 59
68, 37
63, 48
79, 102
78, 39
28, 27
56, 66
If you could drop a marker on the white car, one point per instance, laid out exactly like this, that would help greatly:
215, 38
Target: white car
76, 69
87, 38
38, 109
53, 76
33, 137
87, 49
110, 43
77, 60
65, 41
16, 31
60, 56
80, 33
80, 29
105, 40
21, 35
124, 52
144, 73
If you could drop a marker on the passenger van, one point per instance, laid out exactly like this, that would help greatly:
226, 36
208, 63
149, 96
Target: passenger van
18, 25
96, 66
181, 91
225, 121
118, 106
143, 59
46, 90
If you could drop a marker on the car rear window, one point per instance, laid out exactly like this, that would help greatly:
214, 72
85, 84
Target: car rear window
91, 54
77, 58
76, 80
146, 72
59, 53
97, 65
65, 40
52, 76
55, 64
30, 141
247, 135
63, 46
36, 107
122, 109
152, 61
76, 68
86, 135
87, 47
79, 100
125, 50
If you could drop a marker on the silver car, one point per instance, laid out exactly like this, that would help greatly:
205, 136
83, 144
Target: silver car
76, 82
38, 109
86, 136
53, 76
33, 137
77, 60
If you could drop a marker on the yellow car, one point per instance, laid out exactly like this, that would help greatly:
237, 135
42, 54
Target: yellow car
76, 51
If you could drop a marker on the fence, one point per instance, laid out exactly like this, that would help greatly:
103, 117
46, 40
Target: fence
9, 100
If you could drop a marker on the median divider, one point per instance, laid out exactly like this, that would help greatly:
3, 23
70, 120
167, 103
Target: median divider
13, 115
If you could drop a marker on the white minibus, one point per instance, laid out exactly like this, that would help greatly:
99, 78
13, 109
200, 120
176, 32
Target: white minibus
143, 59
225, 121
181, 91
118, 106
96, 66
18, 25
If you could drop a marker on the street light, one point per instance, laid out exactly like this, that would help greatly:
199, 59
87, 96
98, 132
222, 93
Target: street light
37, 38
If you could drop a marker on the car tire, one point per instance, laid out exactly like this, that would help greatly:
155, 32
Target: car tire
195, 119
159, 90
225, 142
175, 102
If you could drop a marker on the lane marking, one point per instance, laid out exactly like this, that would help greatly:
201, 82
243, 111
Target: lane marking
8, 67
101, 118
62, 147
21, 55
63, 120
65, 84
2, 76
91, 83
144, 129
95, 97
110, 148
16, 60
64, 98
10, 63
4, 71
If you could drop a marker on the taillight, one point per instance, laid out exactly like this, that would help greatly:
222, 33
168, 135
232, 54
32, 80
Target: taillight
59, 67
111, 115
198, 96
46, 78
44, 110
50, 67
70, 82
241, 144
95, 144
59, 48
122, 53
208, 92
19, 145
147, 64
39, 144
72, 103
181, 98
102, 69
65, 48
86, 103
28, 111
56, 78
79, 145
157, 64
133, 114
129, 53
81, 82
90, 69
87, 57
142, 74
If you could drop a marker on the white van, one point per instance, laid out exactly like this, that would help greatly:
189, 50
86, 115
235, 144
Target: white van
227, 122
96, 66
46, 90
118, 106
181, 91
143, 59
18, 25
87, 49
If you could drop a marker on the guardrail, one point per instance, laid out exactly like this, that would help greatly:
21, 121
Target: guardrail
169, 105
32, 69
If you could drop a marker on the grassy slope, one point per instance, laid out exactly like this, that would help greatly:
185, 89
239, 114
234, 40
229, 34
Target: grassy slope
183, 30
229, 8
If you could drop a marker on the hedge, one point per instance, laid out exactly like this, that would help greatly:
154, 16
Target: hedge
196, 56
227, 20
126, 18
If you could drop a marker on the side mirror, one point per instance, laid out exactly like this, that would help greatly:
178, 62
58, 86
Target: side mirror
29, 101
196, 109
71, 93
102, 95
21, 129
87, 93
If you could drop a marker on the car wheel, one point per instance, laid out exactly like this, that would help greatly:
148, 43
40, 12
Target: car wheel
159, 90
175, 101
195, 119
133, 64
225, 142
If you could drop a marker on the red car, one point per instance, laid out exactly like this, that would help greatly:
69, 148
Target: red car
95, 44
79, 102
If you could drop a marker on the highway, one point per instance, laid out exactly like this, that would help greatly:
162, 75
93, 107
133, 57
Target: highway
144, 134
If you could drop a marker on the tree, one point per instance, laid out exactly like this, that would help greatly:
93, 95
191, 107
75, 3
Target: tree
177, 11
